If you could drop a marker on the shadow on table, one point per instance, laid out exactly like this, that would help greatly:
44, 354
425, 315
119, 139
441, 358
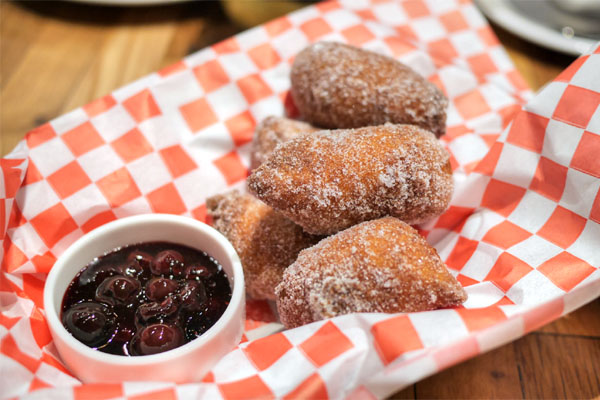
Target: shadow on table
216, 23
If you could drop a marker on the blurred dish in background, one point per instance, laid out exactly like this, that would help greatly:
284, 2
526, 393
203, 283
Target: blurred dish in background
129, 2
568, 26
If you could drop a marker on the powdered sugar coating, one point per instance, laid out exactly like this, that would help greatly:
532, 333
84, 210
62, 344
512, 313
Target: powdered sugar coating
272, 131
339, 86
330, 180
382, 265
266, 241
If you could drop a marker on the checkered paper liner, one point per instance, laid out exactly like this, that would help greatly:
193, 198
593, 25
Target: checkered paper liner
522, 232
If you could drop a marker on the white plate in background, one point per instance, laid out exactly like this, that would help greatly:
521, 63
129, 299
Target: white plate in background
543, 23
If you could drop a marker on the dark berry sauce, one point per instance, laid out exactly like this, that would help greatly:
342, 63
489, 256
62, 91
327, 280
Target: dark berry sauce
145, 299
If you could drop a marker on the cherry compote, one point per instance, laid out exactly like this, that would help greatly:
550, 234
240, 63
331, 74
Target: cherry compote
145, 299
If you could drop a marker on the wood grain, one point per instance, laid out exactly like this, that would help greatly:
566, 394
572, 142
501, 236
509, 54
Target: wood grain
56, 56
554, 351
493, 376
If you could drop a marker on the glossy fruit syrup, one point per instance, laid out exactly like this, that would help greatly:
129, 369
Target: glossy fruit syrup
145, 299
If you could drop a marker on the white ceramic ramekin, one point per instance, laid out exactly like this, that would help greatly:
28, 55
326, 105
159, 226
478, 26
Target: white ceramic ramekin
186, 363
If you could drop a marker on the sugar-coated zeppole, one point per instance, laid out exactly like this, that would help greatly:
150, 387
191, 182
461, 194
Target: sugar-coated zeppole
330, 180
266, 241
272, 131
339, 86
382, 265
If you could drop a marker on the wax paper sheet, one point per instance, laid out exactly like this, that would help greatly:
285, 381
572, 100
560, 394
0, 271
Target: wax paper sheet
522, 232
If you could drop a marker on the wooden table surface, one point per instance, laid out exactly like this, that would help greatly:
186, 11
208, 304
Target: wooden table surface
56, 56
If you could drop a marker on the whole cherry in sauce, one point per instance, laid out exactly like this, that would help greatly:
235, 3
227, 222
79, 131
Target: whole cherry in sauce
117, 289
166, 261
91, 323
145, 299
159, 288
157, 338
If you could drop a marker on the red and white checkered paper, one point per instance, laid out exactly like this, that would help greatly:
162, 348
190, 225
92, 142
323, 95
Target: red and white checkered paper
522, 233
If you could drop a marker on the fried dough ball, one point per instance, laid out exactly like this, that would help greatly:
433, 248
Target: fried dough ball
272, 131
330, 180
382, 265
266, 241
339, 86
